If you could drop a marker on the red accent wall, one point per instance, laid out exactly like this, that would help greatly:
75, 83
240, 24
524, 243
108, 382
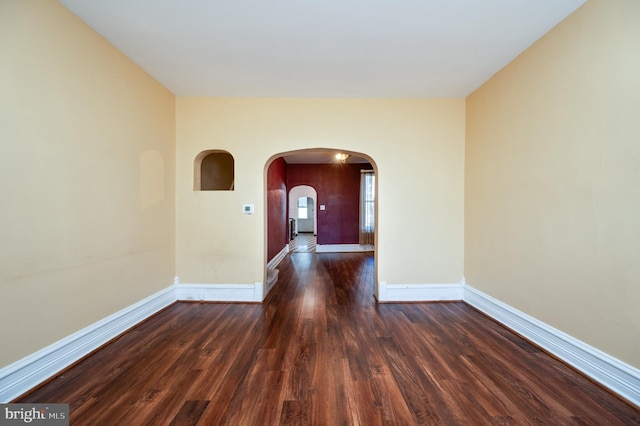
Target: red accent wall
277, 222
338, 188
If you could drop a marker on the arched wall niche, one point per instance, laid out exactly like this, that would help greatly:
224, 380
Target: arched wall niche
213, 170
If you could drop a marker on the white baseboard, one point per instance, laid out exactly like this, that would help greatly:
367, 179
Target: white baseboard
342, 248
612, 373
418, 292
220, 292
23, 375
278, 258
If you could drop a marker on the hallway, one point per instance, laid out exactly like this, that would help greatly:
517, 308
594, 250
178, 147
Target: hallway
304, 242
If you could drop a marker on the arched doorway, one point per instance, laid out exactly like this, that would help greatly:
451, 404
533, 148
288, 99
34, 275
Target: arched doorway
337, 182
302, 217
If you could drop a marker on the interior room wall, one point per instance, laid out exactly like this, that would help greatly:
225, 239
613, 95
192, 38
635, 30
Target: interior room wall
417, 144
552, 171
277, 221
338, 189
86, 177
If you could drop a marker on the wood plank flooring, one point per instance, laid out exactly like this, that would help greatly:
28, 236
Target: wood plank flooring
320, 351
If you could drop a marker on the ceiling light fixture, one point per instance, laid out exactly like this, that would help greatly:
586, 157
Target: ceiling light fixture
342, 157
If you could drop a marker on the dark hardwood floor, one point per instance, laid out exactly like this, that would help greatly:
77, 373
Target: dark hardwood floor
320, 351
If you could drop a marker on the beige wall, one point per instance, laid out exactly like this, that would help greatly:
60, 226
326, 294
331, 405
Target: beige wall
86, 178
418, 146
552, 207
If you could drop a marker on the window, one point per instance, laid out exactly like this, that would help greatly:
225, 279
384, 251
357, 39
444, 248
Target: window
367, 207
303, 213
369, 201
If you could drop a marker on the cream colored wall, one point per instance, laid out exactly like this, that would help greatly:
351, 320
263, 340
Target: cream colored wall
418, 146
552, 207
86, 178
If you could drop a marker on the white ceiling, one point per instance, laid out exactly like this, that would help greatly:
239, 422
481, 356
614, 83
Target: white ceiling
322, 48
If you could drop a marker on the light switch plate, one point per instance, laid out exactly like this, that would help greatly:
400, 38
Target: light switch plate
247, 208
322, 207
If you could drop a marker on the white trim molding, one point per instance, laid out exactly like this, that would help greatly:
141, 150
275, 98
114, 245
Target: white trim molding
342, 248
419, 292
23, 375
278, 258
220, 292
612, 373
272, 279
